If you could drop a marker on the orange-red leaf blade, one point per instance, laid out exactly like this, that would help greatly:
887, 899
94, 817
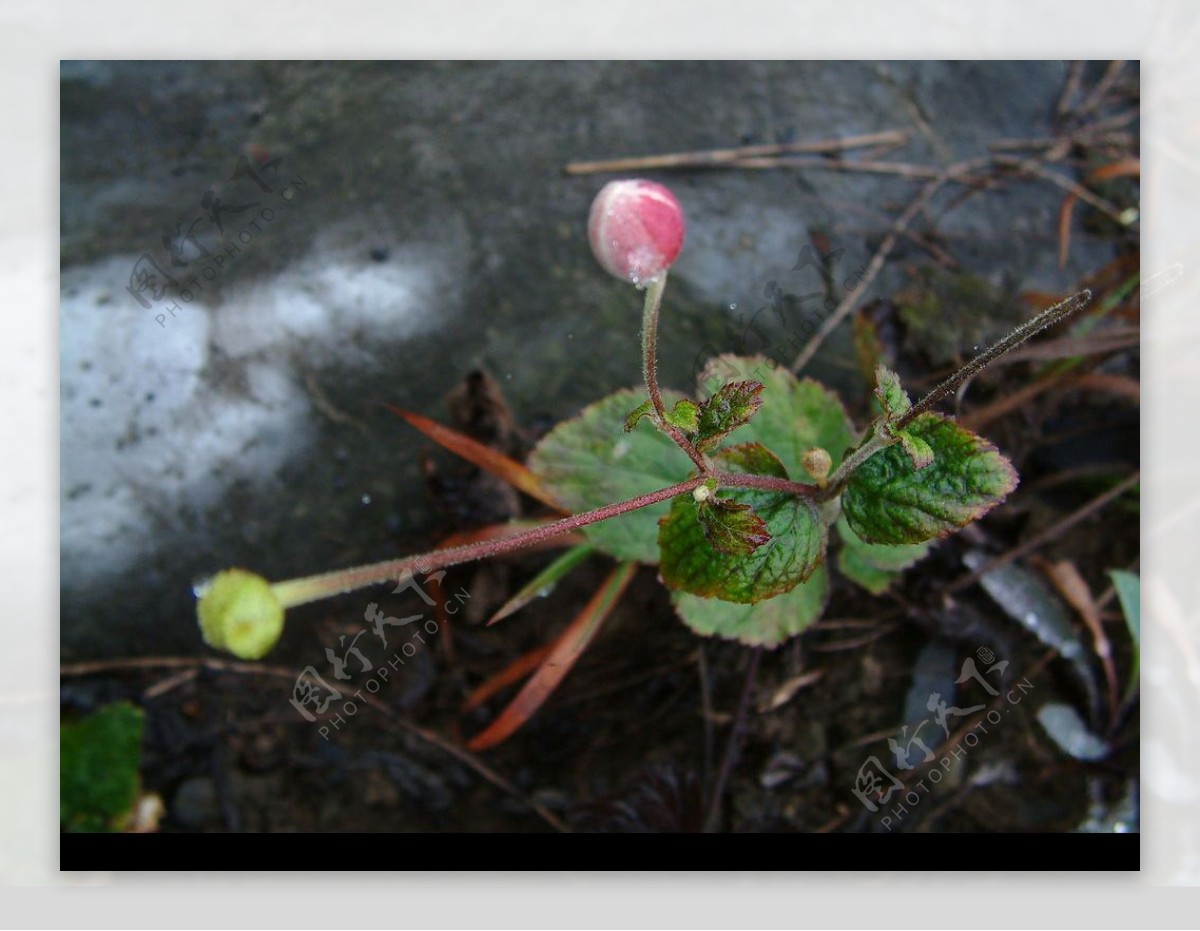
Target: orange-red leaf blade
1118, 169
515, 671
1064, 227
1121, 168
566, 651
498, 464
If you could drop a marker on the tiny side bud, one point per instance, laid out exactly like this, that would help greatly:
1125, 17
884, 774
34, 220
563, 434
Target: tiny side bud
817, 462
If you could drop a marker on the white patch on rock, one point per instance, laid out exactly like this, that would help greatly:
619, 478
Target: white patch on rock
158, 421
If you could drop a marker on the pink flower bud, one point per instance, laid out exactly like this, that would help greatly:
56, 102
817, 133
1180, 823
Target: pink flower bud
636, 229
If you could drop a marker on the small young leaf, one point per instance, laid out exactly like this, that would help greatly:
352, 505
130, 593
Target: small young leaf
685, 415
917, 450
732, 406
752, 459
893, 399
642, 410
766, 624
894, 402
796, 547
796, 414
888, 500
871, 565
731, 527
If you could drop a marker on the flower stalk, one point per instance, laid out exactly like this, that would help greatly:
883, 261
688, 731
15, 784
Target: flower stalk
326, 585
654, 293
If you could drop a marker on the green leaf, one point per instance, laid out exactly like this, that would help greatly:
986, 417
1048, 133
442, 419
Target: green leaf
858, 570
767, 623
98, 768
731, 407
888, 500
543, 583
1129, 593
795, 416
635, 415
796, 547
874, 566
731, 527
588, 461
685, 415
893, 399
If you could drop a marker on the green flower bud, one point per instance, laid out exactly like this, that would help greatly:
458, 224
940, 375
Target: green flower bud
240, 613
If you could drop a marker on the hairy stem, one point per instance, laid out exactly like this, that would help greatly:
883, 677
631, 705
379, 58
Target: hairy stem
1047, 318
326, 585
763, 483
885, 434
654, 292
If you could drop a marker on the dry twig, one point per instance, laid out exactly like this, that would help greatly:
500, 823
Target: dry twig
848, 302
733, 157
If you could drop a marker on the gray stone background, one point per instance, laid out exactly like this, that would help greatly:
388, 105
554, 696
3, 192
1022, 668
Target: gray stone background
431, 230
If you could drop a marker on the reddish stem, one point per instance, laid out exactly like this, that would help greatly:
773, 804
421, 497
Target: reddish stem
312, 588
763, 483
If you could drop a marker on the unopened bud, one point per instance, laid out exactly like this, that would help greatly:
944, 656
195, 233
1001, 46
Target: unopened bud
636, 229
817, 462
240, 613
